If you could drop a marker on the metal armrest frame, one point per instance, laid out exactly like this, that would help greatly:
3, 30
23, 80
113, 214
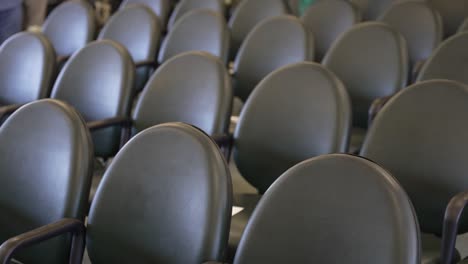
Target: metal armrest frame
41, 234
123, 122
450, 228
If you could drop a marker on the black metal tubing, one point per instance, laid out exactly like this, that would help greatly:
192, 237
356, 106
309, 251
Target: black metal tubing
147, 63
376, 106
114, 121
450, 229
8, 109
36, 236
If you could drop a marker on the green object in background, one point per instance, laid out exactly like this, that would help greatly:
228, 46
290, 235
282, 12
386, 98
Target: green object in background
304, 4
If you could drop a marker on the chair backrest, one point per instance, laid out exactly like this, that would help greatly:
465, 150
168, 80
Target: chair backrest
297, 112
372, 61
332, 208
328, 19
26, 68
70, 26
45, 167
160, 7
185, 6
448, 61
249, 13
177, 93
166, 198
419, 23
420, 137
142, 43
464, 26
198, 30
372, 9
98, 82
453, 13
274, 43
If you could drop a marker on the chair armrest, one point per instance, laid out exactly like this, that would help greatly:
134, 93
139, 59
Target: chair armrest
225, 142
62, 59
417, 67
114, 121
41, 234
376, 106
450, 228
147, 63
8, 109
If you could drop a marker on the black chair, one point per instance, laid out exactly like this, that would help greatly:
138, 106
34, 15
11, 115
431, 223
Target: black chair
161, 8
421, 26
448, 60
192, 87
372, 61
273, 43
185, 6
453, 13
69, 27
166, 198
45, 173
198, 30
372, 9
420, 137
27, 66
142, 44
333, 209
297, 112
249, 13
98, 81
328, 19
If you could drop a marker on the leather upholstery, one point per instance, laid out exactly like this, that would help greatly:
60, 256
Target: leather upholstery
142, 43
160, 7
464, 26
332, 209
70, 26
26, 68
185, 6
274, 43
198, 30
420, 137
98, 82
176, 93
419, 23
45, 173
453, 13
248, 14
372, 9
448, 61
327, 20
372, 61
295, 113
166, 198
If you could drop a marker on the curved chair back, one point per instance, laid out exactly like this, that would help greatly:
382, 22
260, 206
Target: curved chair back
419, 23
160, 7
248, 14
272, 44
45, 172
453, 13
166, 198
26, 68
420, 137
185, 6
295, 113
70, 27
330, 204
448, 61
372, 61
98, 82
328, 19
171, 96
372, 9
142, 43
198, 30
